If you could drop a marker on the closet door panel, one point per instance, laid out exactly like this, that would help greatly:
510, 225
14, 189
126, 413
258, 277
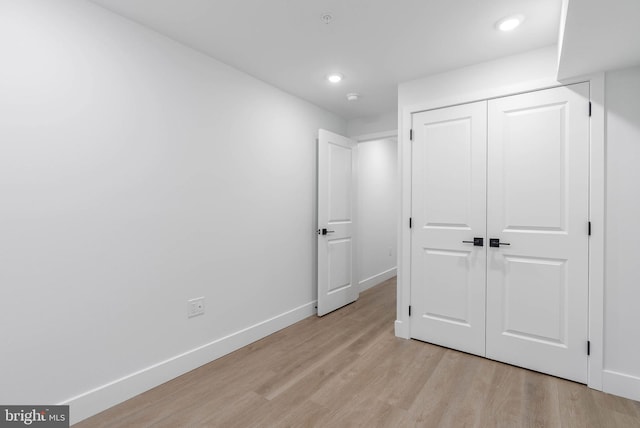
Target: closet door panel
538, 200
448, 207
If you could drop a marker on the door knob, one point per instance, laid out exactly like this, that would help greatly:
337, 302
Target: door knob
325, 231
477, 242
495, 242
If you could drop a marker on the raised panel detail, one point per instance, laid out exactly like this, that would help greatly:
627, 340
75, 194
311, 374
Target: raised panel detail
446, 281
535, 299
448, 172
339, 264
536, 168
340, 192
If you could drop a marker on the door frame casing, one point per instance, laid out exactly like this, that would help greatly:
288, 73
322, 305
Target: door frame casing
596, 206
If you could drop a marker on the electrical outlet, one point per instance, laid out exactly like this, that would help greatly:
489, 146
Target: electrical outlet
195, 307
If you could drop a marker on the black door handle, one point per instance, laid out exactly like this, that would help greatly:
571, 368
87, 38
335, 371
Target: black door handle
495, 242
325, 231
477, 242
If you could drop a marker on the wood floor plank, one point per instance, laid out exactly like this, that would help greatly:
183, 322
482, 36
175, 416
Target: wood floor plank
613, 403
368, 372
244, 412
468, 399
306, 415
578, 407
363, 410
347, 369
540, 401
296, 395
505, 399
421, 361
439, 392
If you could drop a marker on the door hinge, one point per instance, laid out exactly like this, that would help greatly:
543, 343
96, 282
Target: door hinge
410, 222
589, 228
411, 135
409, 310
589, 108
588, 347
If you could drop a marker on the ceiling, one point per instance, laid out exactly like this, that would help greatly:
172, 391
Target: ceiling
599, 35
375, 44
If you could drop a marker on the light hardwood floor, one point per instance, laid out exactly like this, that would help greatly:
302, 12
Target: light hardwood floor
347, 369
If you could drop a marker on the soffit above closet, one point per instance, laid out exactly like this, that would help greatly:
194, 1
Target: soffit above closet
599, 35
375, 44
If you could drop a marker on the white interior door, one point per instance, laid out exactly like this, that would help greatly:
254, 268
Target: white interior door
448, 271
337, 270
538, 199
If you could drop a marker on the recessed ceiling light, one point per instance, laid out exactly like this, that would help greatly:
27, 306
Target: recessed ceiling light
509, 23
334, 77
353, 96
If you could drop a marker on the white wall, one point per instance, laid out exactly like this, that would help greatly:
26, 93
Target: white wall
377, 211
135, 174
372, 124
622, 252
484, 80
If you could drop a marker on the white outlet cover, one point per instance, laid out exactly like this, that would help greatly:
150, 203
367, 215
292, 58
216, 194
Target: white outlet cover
195, 307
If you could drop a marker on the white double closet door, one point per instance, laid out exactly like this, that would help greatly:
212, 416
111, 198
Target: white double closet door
511, 174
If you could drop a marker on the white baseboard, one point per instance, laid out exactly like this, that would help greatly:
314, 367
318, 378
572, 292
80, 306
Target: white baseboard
95, 401
621, 384
401, 330
374, 280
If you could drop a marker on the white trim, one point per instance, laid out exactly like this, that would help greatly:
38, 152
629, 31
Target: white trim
596, 205
596, 241
101, 398
403, 287
534, 85
621, 384
400, 330
523, 88
376, 136
376, 279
